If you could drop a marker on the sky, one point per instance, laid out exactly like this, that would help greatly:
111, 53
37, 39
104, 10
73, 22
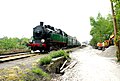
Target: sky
19, 17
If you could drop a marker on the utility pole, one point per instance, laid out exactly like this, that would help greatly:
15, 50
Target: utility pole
115, 32
114, 19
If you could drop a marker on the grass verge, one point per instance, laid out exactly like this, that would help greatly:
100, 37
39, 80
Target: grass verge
54, 54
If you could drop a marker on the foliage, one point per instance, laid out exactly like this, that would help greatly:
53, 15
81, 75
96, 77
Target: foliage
39, 71
11, 74
45, 60
117, 16
54, 54
102, 28
12, 43
58, 54
17, 73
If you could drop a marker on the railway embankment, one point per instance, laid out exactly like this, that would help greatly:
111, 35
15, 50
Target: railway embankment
86, 64
42, 70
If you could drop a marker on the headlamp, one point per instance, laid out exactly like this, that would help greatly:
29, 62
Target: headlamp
42, 40
30, 41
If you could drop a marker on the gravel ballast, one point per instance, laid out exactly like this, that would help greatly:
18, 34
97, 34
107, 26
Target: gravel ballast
91, 66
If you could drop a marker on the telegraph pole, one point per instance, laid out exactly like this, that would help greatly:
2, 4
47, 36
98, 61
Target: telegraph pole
115, 32
114, 19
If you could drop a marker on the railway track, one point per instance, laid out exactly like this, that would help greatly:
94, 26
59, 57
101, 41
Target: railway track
11, 57
16, 56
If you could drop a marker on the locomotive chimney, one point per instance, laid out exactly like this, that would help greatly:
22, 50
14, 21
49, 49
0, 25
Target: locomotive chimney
41, 23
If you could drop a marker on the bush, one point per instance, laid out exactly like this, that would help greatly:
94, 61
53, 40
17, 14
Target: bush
59, 54
45, 60
9, 44
39, 71
54, 54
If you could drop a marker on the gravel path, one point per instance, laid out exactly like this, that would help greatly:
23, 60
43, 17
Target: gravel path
91, 67
109, 52
26, 62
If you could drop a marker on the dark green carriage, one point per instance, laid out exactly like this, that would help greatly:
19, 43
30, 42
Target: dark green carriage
70, 41
58, 40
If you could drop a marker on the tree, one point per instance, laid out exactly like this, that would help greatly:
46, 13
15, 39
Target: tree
102, 28
116, 15
13, 43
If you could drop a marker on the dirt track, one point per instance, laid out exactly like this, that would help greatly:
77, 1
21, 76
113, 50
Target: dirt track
91, 67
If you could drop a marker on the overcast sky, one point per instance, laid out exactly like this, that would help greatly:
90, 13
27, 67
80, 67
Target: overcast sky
18, 17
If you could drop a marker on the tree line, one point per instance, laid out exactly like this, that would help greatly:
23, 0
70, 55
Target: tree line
8, 44
102, 27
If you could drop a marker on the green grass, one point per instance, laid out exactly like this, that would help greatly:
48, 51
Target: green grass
59, 54
45, 60
39, 71
54, 54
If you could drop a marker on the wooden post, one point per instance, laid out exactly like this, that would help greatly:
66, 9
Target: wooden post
115, 32
114, 19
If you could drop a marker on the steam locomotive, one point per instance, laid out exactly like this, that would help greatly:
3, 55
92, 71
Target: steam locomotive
46, 38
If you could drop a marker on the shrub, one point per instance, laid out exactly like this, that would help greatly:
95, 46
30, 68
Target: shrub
54, 54
45, 60
59, 53
13, 43
39, 71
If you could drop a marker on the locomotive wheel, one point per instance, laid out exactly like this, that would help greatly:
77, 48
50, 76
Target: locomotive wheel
42, 50
32, 48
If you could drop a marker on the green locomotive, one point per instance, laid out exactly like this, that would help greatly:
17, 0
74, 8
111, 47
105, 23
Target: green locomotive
46, 38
